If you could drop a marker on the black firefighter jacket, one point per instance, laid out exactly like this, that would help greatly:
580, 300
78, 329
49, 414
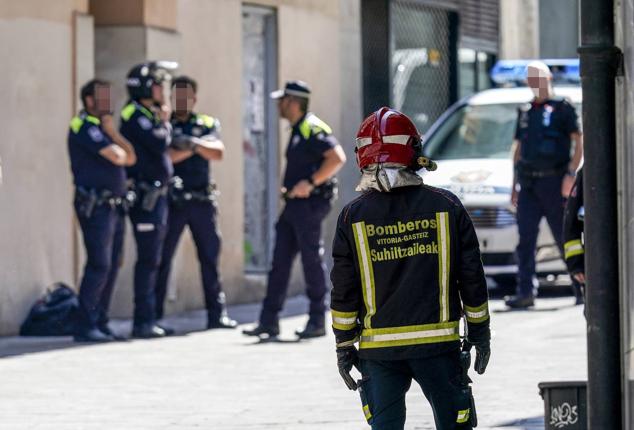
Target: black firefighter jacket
573, 228
407, 266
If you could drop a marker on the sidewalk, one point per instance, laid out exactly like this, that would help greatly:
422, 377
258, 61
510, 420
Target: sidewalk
221, 380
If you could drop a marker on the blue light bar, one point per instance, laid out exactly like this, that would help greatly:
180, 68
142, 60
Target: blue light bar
513, 72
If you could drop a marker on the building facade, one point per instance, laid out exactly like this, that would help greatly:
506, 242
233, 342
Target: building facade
237, 51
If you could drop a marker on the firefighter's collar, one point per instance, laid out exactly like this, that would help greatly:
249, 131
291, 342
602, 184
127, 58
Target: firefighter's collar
386, 177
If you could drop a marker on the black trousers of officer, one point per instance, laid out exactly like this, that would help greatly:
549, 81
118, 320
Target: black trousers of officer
201, 219
149, 233
538, 198
298, 230
385, 383
103, 235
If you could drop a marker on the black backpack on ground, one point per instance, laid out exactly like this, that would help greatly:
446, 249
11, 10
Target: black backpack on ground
54, 314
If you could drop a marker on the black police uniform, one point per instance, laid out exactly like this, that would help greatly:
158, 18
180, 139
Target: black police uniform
574, 248
194, 205
299, 226
543, 130
406, 267
99, 205
150, 138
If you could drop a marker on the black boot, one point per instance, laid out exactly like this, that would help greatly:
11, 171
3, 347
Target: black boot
260, 330
147, 331
519, 302
92, 335
220, 322
311, 330
105, 329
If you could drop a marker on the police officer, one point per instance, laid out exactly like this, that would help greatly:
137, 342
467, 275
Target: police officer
313, 158
98, 154
145, 123
406, 268
544, 172
196, 141
574, 247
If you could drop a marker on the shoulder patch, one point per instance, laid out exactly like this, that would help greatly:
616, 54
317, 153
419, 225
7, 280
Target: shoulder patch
144, 122
127, 111
95, 134
75, 124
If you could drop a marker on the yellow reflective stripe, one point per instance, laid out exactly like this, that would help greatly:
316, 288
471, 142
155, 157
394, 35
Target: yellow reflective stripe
344, 320
75, 124
127, 111
366, 412
207, 120
463, 416
573, 248
318, 125
341, 326
93, 119
146, 112
477, 314
409, 335
367, 272
339, 314
442, 220
304, 129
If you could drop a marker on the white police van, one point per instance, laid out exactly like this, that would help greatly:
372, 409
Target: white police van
472, 142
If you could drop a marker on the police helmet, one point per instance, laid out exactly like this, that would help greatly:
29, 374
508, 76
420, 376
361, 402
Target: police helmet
143, 76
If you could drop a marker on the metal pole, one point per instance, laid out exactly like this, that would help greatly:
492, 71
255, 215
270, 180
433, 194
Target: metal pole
599, 63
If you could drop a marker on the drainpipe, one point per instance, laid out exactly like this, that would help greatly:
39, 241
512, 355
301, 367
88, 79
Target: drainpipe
600, 61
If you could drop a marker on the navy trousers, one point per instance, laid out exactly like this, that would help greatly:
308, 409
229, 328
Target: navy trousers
201, 219
538, 198
385, 383
298, 229
149, 233
103, 236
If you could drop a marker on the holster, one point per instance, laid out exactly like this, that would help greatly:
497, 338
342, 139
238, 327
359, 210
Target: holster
149, 193
88, 199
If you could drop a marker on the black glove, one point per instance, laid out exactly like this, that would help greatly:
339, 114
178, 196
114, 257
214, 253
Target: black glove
480, 337
346, 358
183, 143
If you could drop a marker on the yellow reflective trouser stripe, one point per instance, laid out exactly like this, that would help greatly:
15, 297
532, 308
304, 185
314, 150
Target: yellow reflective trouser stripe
463, 416
409, 335
366, 412
477, 314
573, 248
344, 320
367, 272
442, 220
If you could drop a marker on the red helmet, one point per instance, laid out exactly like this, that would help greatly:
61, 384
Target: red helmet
387, 136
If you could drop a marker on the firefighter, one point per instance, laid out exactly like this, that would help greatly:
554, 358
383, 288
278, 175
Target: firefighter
573, 233
406, 268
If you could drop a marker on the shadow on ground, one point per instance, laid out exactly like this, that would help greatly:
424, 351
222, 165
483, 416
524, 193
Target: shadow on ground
535, 423
184, 324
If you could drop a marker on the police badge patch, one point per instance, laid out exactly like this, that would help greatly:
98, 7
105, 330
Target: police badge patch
95, 134
145, 123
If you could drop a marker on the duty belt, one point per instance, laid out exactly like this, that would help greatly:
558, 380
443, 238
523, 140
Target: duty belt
541, 173
328, 191
179, 195
90, 198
